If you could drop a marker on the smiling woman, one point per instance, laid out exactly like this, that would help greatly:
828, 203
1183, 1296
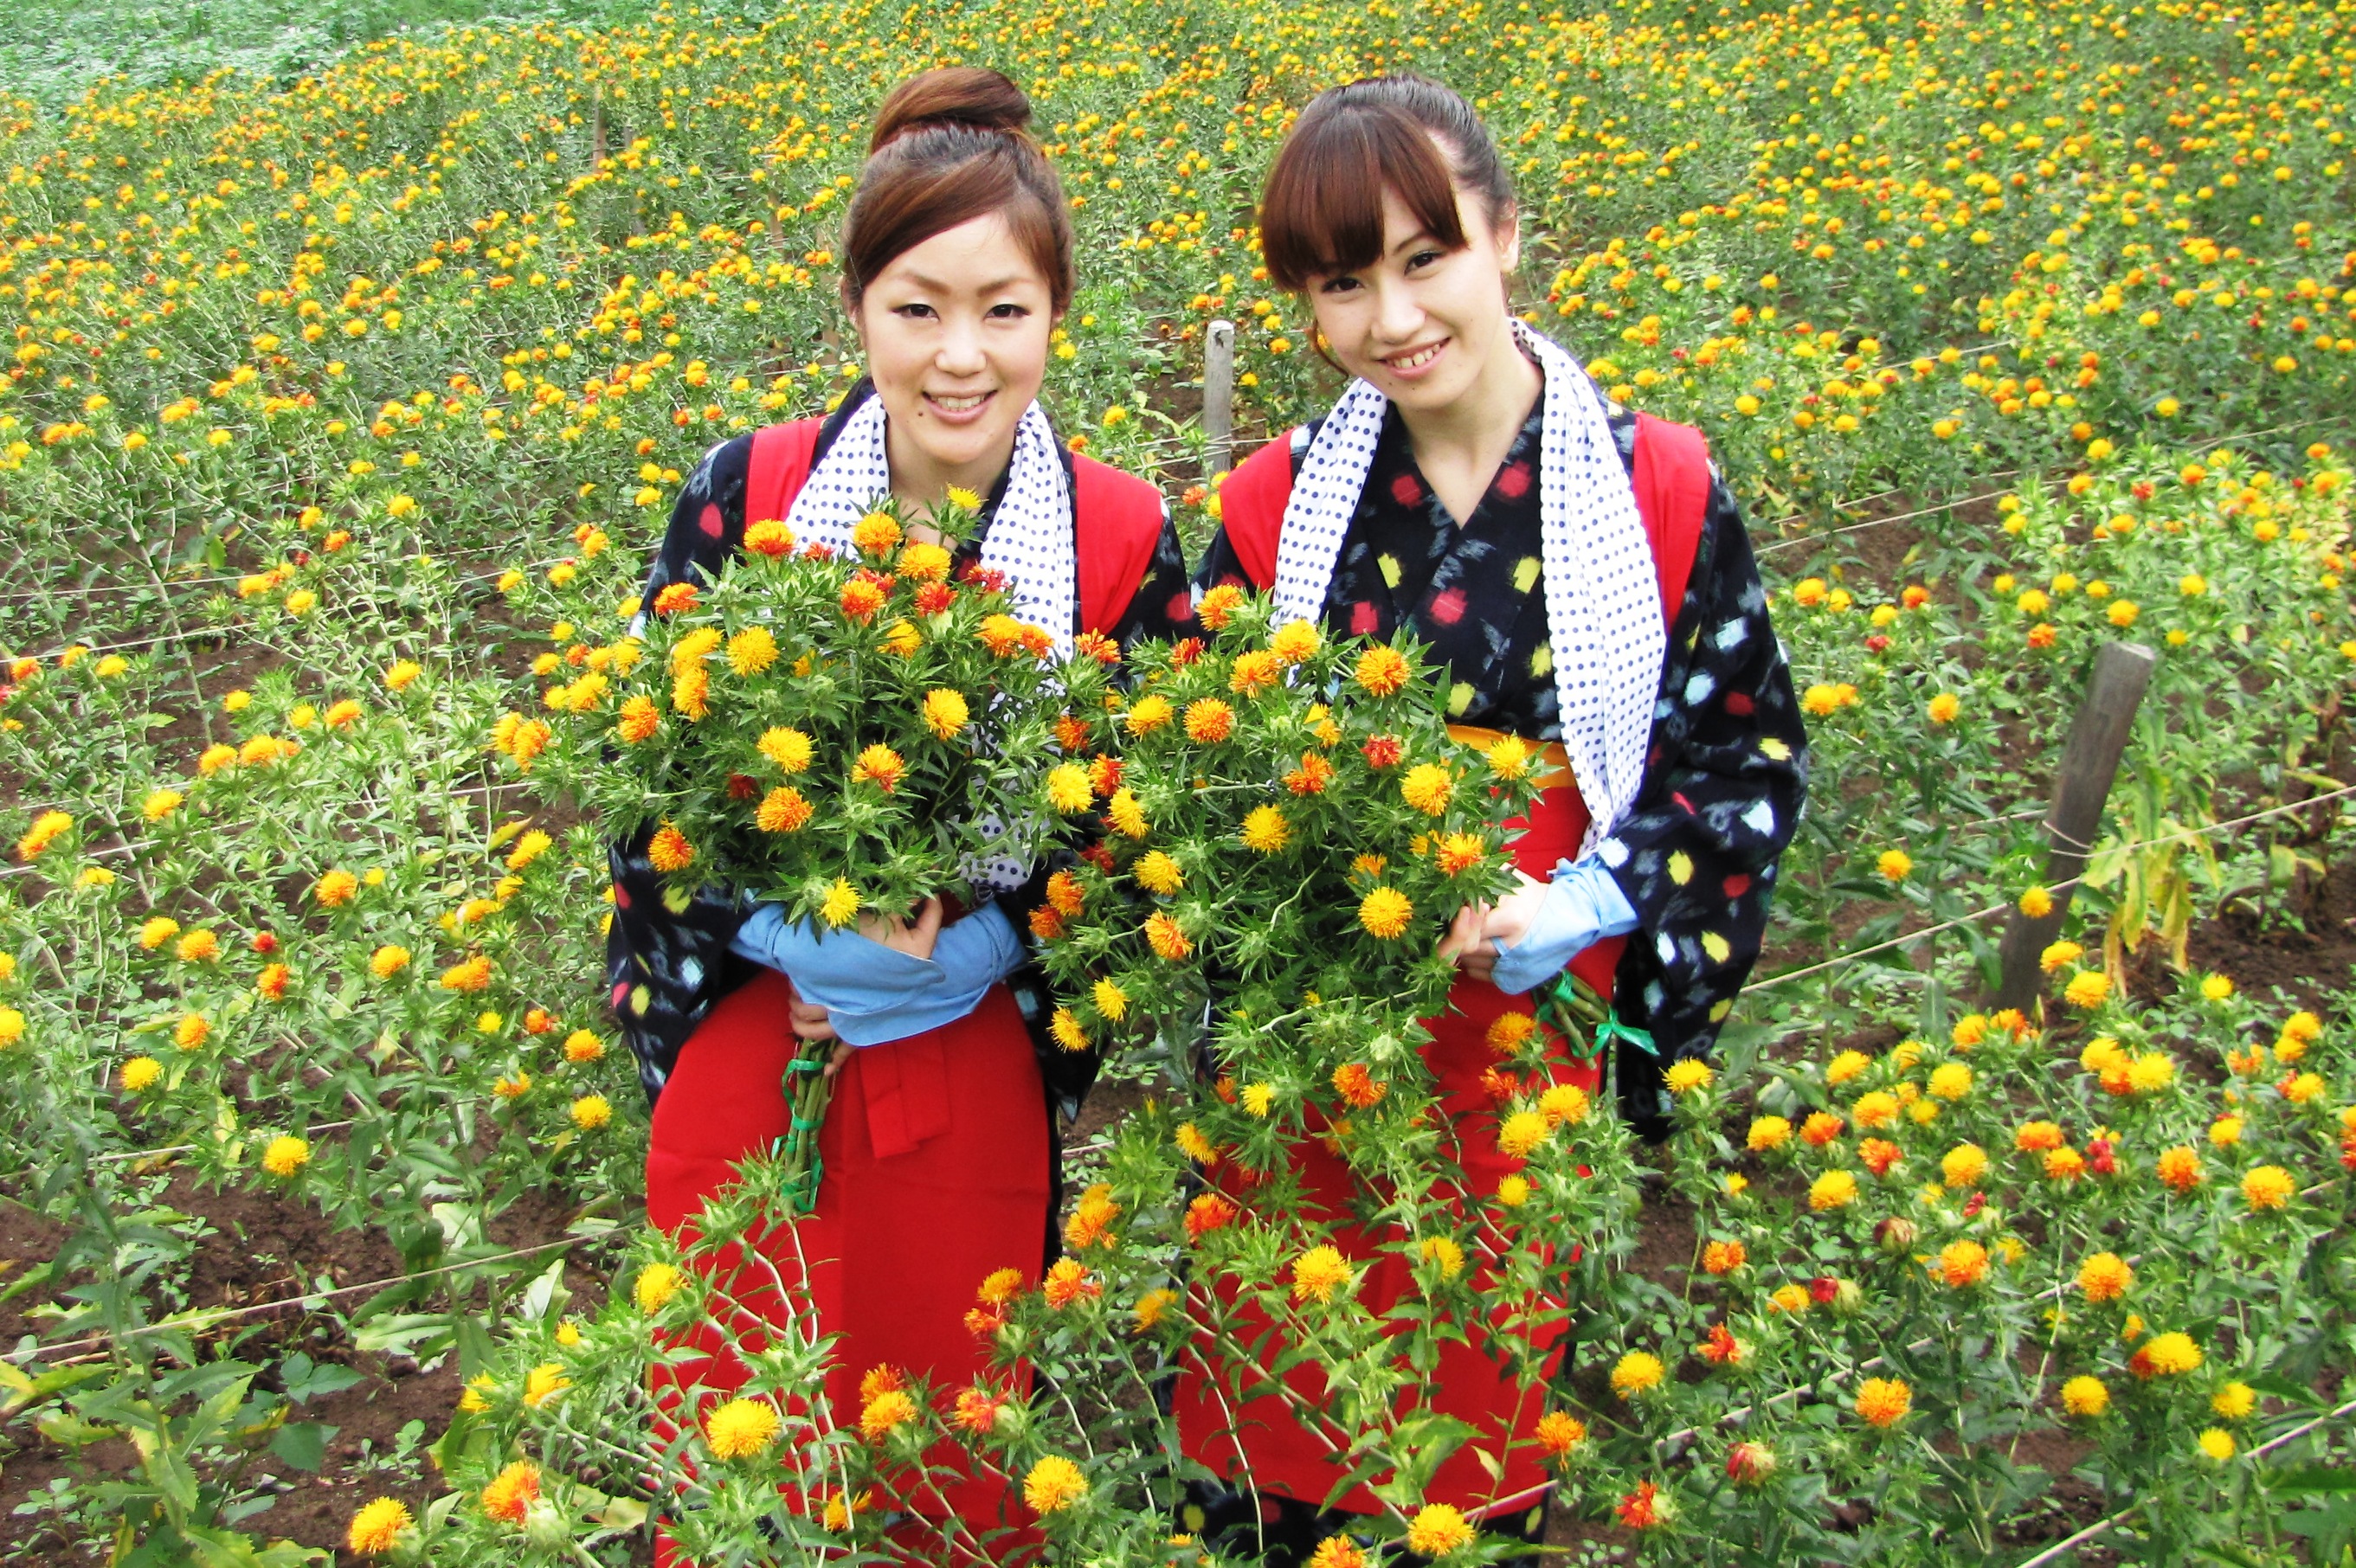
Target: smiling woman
939, 1153
1584, 575
958, 263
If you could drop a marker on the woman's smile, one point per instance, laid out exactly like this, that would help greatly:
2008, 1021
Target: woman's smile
958, 408
1410, 363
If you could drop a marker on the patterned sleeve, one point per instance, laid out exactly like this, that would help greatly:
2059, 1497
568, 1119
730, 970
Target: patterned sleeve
1220, 564
667, 952
1695, 858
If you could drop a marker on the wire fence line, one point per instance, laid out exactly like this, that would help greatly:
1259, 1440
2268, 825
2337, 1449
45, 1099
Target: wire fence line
1179, 444
305, 1298
226, 629
1953, 503
2205, 831
2104, 1526
111, 851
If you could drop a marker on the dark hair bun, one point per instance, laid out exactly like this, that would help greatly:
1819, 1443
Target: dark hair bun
949, 147
965, 95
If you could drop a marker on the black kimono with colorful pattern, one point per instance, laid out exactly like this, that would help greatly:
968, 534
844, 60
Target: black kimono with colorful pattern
1695, 857
667, 957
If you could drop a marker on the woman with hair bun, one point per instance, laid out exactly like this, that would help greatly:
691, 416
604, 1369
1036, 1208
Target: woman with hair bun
939, 1152
1584, 575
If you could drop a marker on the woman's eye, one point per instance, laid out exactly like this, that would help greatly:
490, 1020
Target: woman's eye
1423, 259
1009, 312
914, 312
1337, 285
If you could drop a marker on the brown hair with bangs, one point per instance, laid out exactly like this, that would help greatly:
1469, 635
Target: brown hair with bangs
1322, 211
949, 147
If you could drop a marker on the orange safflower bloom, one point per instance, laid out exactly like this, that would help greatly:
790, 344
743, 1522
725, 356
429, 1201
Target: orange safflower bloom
1068, 1282
1382, 671
1001, 635
1167, 938
1357, 1086
1209, 720
511, 1494
1209, 1211
880, 764
669, 850
1884, 1401
1963, 1264
2106, 1277
1312, 776
1559, 1432
1219, 605
1092, 1219
1459, 852
472, 974
1253, 669
861, 598
1507, 1031
784, 810
977, 1409
2036, 1137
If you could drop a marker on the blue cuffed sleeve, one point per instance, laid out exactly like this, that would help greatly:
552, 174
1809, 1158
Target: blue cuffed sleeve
875, 994
1582, 906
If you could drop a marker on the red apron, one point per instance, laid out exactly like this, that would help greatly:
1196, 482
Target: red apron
935, 1177
1264, 1435
936, 1148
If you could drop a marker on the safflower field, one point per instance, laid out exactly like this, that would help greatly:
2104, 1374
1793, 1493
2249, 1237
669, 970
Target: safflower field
343, 403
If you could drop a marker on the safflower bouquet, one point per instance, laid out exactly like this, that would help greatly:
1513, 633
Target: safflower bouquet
845, 736
840, 734
1289, 829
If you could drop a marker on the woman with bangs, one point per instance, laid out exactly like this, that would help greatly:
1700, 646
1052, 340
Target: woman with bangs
938, 1152
1584, 575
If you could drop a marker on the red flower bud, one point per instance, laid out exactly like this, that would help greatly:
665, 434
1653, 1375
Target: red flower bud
1750, 1463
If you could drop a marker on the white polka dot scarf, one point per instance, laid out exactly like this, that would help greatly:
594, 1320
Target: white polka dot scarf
1031, 535
1602, 596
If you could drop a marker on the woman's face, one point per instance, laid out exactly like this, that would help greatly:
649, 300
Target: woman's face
955, 331
1422, 322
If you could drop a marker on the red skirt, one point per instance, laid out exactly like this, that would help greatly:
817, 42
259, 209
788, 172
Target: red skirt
1261, 1439
936, 1175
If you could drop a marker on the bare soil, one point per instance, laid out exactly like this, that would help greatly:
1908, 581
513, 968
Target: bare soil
262, 1250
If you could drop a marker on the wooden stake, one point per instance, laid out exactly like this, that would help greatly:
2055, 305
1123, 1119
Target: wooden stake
1218, 396
2098, 738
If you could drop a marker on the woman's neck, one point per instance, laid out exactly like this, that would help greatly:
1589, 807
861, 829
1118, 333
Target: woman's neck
1460, 446
920, 483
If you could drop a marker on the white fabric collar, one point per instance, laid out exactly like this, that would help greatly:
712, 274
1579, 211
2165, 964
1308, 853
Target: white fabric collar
1602, 595
1031, 535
